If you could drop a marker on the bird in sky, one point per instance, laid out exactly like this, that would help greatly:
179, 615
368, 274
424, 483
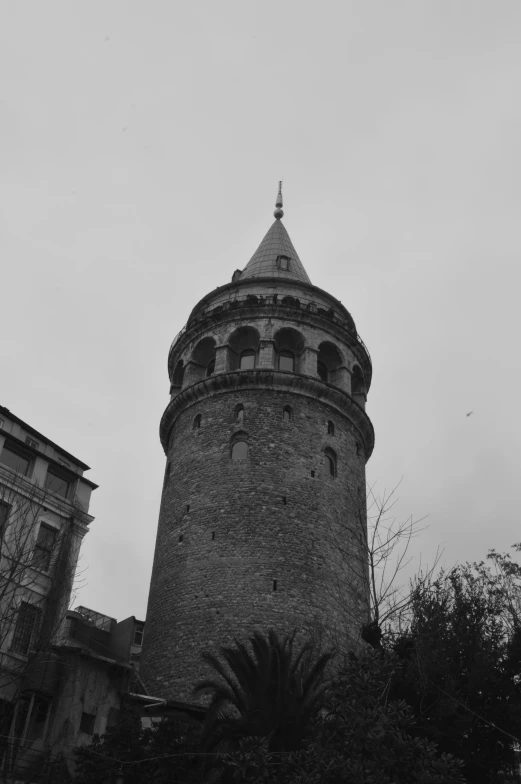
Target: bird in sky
469, 413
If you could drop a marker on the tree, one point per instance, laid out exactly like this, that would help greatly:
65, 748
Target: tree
361, 737
166, 752
266, 690
369, 550
460, 665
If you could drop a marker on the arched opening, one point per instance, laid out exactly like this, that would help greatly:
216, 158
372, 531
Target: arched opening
289, 345
243, 348
330, 460
329, 363
357, 381
330, 428
322, 371
239, 446
179, 372
287, 414
197, 422
203, 359
239, 413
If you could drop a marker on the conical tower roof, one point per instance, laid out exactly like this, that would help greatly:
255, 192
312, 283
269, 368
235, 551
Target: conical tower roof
266, 262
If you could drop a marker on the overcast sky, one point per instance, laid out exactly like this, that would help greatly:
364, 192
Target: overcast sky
141, 147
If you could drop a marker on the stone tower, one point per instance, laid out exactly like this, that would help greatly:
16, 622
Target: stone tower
266, 438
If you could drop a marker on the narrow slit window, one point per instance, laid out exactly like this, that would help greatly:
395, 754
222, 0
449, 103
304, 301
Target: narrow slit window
239, 413
330, 428
197, 422
274, 585
286, 414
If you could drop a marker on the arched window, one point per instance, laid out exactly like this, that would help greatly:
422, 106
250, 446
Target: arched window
203, 359
358, 448
329, 363
239, 413
289, 345
247, 361
357, 381
179, 372
239, 450
286, 414
330, 428
330, 457
243, 347
287, 361
197, 422
322, 371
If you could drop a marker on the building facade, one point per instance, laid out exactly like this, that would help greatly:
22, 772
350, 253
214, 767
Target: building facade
262, 521
44, 515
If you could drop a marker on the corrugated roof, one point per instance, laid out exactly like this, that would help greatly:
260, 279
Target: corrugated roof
264, 264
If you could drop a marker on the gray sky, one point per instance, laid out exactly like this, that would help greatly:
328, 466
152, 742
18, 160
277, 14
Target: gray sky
141, 145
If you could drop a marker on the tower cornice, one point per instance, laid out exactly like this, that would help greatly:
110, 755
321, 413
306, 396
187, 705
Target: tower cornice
276, 380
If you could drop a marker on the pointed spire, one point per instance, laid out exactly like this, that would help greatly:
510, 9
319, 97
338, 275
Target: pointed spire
276, 257
278, 204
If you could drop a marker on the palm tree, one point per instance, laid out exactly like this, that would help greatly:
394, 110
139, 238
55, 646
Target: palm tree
266, 691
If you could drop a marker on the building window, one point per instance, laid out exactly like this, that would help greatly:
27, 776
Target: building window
31, 442
286, 414
330, 462
44, 546
322, 371
26, 623
239, 413
5, 508
15, 458
138, 634
87, 723
330, 428
287, 361
197, 422
247, 359
57, 482
210, 370
240, 450
283, 262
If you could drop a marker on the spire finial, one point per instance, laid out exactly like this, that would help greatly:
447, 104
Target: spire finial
278, 204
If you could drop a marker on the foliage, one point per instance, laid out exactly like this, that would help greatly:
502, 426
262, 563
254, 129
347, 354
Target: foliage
266, 690
166, 752
361, 737
460, 665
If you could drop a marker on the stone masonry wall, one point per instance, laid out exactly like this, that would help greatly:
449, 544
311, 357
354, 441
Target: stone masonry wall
229, 529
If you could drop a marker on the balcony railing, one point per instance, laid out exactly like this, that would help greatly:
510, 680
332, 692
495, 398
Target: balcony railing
291, 303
